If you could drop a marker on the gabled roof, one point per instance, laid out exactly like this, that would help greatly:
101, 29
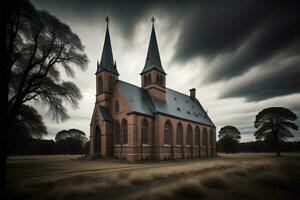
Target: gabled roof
153, 57
137, 99
105, 114
107, 60
176, 104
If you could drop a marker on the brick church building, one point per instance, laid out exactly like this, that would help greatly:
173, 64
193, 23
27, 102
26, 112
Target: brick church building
147, 122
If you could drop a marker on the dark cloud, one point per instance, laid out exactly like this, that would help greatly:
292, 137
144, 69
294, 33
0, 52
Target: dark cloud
125, 13
250, 33
281, 81
240, 35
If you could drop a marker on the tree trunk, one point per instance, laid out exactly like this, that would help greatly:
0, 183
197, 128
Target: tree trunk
277, 145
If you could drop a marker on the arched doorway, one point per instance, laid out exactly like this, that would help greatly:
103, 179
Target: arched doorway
97, 141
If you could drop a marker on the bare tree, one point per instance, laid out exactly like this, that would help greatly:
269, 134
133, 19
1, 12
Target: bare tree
35, 47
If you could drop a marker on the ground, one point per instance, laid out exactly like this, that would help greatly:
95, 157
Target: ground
233, 176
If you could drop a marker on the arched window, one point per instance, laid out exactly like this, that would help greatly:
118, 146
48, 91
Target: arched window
197, 136
117, 133
158, 79
144, 132
110, 83
117, 107
189, 135
145, 80
179, 134
124, 132
205, 139
100, 85
168, 133
149, 79
211, 137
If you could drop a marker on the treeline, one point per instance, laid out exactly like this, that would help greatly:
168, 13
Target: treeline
262, 146
45, 147
71, 141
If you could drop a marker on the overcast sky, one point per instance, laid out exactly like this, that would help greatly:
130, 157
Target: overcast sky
241, 56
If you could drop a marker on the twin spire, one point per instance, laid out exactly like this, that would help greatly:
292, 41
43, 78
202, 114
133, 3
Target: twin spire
107, 61
152, 60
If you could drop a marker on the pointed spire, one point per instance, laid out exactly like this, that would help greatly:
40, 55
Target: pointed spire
107, 61
153, 57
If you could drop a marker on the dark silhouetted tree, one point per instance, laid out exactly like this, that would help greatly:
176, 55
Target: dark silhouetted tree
229, 138
28, 125
38, 48
70, 141
35, 48
274, 124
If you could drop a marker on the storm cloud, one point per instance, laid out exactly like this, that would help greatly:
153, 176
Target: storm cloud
263, 85
235, 53
232, 36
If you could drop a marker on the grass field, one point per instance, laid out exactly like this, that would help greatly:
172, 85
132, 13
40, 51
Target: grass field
233, 176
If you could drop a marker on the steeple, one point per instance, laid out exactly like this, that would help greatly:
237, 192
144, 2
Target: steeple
107, 61
153, 57
153, 76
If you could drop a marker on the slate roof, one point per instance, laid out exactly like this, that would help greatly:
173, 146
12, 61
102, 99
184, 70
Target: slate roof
105, 114
107, 60
153, 57
176, 104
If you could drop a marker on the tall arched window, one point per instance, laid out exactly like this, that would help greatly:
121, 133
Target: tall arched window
100, 85
197, 136
179, 134
205, 139
110, 83
124, 132
144, 132
117, 133
189, 135
211, 137
168, 133
117, 107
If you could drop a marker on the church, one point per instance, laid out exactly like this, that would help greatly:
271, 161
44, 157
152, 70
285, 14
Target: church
149, 121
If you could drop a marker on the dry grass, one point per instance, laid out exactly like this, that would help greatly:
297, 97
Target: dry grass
214, 182
235, 176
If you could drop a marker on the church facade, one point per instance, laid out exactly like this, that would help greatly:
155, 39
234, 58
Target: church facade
147, 122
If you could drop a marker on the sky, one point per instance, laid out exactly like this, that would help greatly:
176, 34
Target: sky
241, 56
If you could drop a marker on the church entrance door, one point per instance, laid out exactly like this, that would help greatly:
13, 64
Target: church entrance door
97, 141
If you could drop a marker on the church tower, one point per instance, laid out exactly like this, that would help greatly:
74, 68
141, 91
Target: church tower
106, 73
153, 76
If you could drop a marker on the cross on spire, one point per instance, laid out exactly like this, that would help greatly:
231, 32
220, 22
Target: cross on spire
153, 20
107, 20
